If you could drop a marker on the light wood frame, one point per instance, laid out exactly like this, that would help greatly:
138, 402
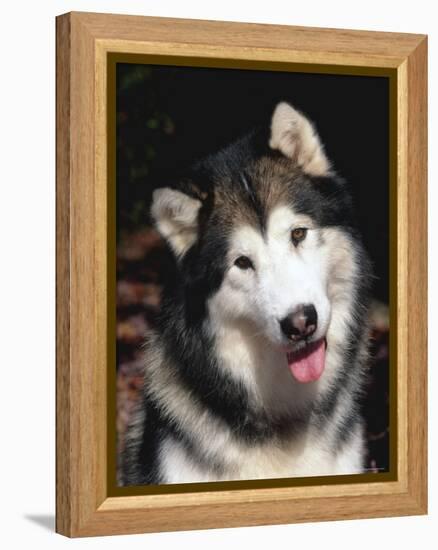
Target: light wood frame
83, 42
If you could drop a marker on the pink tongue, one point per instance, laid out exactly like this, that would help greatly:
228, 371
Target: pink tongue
307, 365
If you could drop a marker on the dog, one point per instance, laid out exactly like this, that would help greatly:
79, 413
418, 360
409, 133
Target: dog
257, 366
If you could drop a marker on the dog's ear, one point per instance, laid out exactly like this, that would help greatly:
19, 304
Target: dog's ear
295, 137
176, 217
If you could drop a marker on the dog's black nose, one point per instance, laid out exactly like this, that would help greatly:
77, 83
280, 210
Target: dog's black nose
301, 323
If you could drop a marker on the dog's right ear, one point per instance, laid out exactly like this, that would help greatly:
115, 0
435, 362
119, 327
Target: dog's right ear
176, 217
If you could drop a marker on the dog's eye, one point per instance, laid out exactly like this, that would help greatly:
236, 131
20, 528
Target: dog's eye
298, 234
243, 262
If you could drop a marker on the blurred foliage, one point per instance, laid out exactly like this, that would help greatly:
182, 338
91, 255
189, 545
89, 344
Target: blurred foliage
144, 129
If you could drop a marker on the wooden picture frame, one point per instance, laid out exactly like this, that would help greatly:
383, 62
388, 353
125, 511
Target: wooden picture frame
85, 41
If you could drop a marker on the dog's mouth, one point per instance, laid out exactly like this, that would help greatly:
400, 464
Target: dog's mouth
307, 364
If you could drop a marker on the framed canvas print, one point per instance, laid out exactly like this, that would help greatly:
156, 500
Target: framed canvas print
241, 274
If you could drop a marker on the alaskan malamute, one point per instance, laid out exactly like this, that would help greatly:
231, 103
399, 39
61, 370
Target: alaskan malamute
258, 362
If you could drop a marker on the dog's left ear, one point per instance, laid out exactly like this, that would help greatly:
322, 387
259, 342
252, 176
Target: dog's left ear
295, 137
176, 217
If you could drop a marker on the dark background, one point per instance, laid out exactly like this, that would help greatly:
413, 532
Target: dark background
167, 117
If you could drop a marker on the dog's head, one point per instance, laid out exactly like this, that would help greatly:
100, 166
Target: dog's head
259, 233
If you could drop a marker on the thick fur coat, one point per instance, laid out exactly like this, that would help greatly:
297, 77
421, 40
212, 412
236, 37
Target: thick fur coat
257, 365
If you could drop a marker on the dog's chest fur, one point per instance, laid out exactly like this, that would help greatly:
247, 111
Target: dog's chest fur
309, 454
197, 445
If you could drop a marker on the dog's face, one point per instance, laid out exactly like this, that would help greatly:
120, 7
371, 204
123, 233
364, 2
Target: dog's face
256, 233
276, 280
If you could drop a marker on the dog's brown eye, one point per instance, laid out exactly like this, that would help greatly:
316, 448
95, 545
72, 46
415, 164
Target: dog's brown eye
243, 262
298, 235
